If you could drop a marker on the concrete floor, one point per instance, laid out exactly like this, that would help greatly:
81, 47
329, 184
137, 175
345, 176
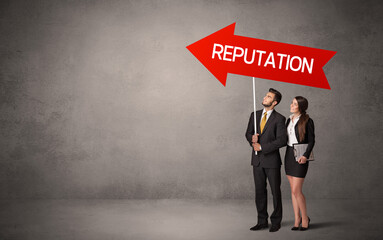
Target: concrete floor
181, 219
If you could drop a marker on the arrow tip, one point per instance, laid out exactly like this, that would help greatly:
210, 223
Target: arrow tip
202, 51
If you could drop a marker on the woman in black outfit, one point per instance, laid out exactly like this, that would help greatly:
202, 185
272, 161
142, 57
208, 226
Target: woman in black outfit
300, 129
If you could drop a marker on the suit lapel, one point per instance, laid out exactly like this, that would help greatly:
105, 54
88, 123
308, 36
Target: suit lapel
271, 118
296, 131
259, 113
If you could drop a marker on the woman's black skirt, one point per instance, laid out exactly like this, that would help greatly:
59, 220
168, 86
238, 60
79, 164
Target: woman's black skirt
292, 167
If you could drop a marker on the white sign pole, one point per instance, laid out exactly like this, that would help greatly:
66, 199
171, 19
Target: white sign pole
255, 116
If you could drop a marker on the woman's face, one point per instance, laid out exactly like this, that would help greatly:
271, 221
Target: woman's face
294, 106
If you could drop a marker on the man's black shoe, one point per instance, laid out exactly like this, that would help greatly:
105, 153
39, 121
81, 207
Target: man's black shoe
259, 226
274, 228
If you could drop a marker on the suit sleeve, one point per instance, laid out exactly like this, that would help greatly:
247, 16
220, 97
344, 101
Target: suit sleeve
250, 129
311, 137
280, 140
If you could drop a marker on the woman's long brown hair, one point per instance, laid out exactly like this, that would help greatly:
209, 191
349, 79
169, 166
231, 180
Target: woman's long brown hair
303, 119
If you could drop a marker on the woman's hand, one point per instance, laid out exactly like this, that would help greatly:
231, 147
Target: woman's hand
302, 160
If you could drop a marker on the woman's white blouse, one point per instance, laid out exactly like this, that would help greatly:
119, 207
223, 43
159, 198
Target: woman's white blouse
291, 138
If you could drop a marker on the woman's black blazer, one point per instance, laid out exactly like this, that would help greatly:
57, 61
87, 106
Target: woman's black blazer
309, 136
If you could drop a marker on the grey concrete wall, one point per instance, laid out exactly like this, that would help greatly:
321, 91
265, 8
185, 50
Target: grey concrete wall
101, 99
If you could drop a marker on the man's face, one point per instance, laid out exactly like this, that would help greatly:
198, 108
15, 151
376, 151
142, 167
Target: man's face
268, 100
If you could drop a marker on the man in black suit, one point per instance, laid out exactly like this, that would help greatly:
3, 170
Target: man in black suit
271, 135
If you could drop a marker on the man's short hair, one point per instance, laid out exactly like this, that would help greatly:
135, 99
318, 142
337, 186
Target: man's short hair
278, 95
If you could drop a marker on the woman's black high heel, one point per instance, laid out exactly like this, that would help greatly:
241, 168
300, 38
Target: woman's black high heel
303, 228
296, 228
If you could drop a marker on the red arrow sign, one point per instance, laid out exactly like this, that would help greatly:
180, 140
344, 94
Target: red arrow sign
223, 52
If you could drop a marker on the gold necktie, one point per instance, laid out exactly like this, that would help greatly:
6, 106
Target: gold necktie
263, 122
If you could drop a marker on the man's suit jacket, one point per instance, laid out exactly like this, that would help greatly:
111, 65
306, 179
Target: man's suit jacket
273, 137
309, 135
